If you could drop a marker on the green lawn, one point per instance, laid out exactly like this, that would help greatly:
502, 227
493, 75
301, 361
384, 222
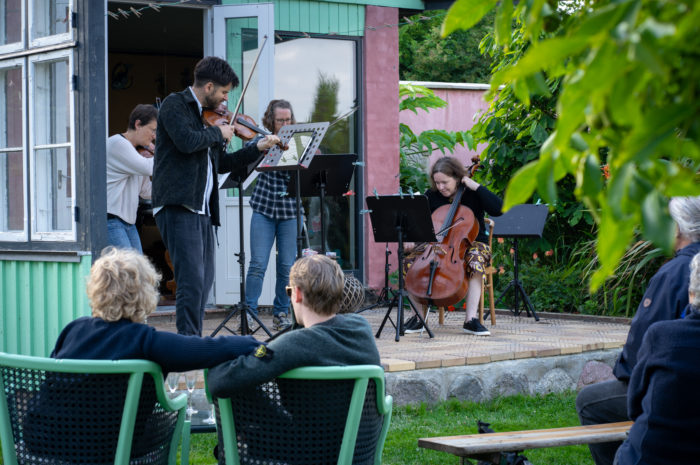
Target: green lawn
453, 417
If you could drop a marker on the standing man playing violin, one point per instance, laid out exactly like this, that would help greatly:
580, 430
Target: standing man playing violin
185, 197
274, 218
128, 175
445, 176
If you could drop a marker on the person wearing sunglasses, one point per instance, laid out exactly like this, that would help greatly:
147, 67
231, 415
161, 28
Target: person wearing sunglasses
325, 339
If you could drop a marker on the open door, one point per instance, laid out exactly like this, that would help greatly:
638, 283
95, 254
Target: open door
237, 32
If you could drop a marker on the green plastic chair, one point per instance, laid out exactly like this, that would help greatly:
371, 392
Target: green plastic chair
59, 411
320, 415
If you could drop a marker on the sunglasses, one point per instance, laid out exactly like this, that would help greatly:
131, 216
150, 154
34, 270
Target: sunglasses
289, 290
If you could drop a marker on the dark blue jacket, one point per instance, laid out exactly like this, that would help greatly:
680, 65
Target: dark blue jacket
663, 396
665, 298
180, 162
95, 339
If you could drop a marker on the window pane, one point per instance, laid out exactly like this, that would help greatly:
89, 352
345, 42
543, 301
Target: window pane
11, 161
11, 192
50, 17
318, 77
51, 102
52, 187
11, 23
11, 107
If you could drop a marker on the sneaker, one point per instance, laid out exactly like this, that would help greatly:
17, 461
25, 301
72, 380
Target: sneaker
251, 323
413, 325
474, 327
280, 322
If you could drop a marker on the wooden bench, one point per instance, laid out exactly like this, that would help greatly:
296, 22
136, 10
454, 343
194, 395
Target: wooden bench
487, 447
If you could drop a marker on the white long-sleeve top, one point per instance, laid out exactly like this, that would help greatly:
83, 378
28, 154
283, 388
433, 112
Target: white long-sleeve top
127, 178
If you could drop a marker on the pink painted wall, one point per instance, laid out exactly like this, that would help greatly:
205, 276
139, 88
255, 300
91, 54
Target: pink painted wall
459, 115
381, 132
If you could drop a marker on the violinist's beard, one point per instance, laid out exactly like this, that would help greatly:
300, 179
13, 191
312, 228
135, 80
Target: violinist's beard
210, 101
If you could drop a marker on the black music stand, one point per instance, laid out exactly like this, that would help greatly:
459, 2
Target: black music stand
326, 175
235, 180
399, 218
303, 141
520, 221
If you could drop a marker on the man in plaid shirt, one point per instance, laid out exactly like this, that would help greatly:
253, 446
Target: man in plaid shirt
274, 217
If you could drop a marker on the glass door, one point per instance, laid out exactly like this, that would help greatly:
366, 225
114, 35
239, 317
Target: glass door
236, 33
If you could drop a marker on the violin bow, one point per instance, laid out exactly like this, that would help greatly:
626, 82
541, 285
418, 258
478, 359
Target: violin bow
245, 87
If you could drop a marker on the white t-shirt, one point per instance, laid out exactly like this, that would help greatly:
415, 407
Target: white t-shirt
127, 178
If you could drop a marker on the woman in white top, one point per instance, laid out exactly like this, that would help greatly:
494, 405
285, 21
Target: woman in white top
128, 175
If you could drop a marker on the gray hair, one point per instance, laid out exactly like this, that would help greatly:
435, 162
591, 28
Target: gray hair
685, 211
695, 281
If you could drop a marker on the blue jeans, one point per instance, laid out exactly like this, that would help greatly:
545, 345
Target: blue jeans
263, 231
189, 238
123, 235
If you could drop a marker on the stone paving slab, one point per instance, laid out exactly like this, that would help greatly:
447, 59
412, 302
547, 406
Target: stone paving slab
512, 338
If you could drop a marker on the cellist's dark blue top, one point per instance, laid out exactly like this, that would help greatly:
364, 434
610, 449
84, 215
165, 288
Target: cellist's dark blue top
91, 338
479, 201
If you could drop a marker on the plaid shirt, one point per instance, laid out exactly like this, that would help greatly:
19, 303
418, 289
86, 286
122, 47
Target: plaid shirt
270, 196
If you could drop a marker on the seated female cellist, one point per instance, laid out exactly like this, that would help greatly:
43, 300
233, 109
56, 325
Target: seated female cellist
445, 176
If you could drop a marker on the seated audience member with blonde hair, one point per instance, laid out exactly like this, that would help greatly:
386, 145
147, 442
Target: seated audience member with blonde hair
326, 339
662, 390
123, 291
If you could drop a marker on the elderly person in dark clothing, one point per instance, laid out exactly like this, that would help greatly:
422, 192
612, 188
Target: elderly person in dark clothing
665, 299
662, 395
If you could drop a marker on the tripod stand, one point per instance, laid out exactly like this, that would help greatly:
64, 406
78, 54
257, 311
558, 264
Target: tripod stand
241, 307
520, 221
399, 218
384, 297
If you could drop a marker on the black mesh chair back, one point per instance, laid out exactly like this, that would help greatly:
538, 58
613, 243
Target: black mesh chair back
86, 412
338, 416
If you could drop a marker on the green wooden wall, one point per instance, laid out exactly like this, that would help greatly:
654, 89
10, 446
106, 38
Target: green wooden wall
315, 17
37, 299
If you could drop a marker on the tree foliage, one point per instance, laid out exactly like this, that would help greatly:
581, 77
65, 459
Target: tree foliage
425, 56
627, 119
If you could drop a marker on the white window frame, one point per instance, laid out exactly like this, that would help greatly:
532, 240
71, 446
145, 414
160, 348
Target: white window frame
53, 39
19, 236
16, 46
68, 235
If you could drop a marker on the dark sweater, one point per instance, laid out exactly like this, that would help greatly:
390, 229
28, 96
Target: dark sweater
479, 201
95, 339
180, 162
343, 340
662, 397
665, 298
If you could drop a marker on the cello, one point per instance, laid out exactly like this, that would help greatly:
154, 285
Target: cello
438, 275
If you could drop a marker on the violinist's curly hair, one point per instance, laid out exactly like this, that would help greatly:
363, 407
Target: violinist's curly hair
269, 117
449, 166
216, 70
123, 284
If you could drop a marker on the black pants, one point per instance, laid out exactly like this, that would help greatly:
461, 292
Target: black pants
604, 402
189, 238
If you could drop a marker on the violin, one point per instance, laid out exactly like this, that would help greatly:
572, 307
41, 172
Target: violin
146, 151
438, 275
244, 126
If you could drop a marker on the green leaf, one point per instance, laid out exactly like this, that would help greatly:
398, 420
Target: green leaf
521, 186
590, 181
543, 56
463, 14
504, 20
612, 240
656, 222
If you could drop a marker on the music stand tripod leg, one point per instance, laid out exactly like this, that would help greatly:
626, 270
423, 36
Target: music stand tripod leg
241, 306
384, 296
528, 305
